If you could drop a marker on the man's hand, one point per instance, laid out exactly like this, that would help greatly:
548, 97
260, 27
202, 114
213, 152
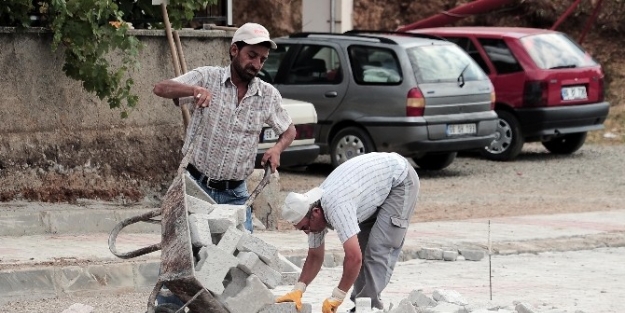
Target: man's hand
201, 96
294, 295
272, 155
331, 305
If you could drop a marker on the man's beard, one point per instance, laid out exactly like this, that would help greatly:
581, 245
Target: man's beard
246, 74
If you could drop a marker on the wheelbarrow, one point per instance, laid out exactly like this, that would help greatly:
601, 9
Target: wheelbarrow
177, 261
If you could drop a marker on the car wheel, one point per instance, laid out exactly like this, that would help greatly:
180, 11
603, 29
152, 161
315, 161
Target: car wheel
348, 143
435, 161
566, 144
508, 141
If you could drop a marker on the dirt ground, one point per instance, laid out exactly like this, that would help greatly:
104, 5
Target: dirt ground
536, 183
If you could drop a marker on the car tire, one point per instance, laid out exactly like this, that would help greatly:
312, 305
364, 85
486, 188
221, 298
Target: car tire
566, 144
348, 143
435, 161
509, 140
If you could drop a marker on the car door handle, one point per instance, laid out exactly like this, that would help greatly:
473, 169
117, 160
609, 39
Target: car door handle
331, 94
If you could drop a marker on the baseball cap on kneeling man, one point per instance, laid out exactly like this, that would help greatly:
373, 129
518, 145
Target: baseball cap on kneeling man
252, 34
297, 205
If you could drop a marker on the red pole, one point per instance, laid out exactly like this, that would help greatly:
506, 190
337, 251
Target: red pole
590, 21
565, 14
457, 13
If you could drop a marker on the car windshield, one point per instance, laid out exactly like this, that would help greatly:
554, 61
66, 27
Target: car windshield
552, 51
443, 63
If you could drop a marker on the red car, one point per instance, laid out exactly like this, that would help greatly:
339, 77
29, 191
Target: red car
548, 88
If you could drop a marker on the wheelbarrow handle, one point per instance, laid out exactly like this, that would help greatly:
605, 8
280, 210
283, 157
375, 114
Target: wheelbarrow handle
131, 220
263, 182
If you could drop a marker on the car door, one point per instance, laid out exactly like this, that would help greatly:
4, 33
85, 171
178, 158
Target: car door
315, 73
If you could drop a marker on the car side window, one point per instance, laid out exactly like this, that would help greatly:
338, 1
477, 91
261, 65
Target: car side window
501, 56
373, 65
467, 45
272, 64
316, 64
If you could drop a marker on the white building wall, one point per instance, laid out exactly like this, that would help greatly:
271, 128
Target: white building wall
316, 15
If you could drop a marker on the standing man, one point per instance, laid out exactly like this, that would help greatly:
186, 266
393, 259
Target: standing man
231, 106
368, 201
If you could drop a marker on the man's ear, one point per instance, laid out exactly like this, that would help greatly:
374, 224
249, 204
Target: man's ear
233, 50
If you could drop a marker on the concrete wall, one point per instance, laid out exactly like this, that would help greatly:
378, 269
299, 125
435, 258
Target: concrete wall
60, 143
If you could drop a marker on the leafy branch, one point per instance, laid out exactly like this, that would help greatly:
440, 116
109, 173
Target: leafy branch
90, 30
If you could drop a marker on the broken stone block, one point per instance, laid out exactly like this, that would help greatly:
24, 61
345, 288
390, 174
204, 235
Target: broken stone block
431, 254
444, 307
290, 272
250, 263
450, 255
524, 307
286, 307
78, 308
213, 266
237, 279
420, 300
199, 230
450, 296
472, 255
404, 307
252, 298
266, 252
225, 216
230, 240
198, 206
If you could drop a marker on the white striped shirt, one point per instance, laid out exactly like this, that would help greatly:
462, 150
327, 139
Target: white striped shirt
353, 192
225, 135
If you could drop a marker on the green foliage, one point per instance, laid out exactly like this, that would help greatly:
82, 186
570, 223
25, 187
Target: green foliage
15, 13
83, 28
90, 31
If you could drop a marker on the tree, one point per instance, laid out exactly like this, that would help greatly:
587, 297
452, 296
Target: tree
89, 30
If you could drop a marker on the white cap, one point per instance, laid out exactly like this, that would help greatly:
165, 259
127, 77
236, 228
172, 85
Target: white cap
297, 205
252, 34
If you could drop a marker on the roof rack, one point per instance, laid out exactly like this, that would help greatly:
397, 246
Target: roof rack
391, 32
308, 34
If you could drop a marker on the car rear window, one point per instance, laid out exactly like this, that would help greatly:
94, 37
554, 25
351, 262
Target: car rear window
443, 63
552, 51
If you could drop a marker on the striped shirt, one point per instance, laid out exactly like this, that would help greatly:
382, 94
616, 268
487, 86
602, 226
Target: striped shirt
225, 135
353, 192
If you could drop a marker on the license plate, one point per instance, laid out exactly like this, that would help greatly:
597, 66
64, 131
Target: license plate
574, 93
269, 135
461, 129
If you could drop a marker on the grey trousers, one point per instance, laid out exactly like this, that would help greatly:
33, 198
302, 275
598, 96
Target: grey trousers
381, 238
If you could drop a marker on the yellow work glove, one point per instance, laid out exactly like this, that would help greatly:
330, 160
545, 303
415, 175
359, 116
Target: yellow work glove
294, 295
331, 305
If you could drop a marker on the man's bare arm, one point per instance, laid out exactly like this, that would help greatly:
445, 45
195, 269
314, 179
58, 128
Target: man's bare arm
312, 265
351, 263
171, 90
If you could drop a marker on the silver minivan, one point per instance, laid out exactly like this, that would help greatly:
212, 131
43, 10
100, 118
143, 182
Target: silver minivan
417, 95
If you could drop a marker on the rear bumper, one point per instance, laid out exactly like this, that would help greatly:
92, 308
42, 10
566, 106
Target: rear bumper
293, 156
554, 121
417, 136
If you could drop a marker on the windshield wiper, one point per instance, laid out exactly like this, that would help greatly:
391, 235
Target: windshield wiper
461, 76
563, 66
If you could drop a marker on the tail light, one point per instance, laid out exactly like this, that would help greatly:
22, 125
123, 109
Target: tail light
493, 99
535, 94
415, 104
305, 131
601, 89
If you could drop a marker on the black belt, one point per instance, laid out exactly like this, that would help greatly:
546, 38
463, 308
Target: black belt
213, 183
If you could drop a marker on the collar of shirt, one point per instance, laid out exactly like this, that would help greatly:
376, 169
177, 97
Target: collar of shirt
253, 87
